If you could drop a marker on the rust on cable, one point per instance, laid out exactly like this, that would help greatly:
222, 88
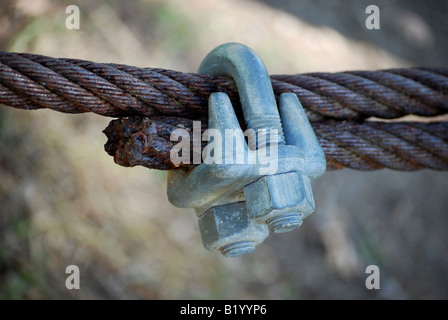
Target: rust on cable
366, 145
152, 102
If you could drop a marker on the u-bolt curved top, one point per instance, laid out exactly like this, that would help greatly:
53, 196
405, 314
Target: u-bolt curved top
253, 82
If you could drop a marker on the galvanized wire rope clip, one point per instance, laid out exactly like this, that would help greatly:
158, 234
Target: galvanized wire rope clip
244, 189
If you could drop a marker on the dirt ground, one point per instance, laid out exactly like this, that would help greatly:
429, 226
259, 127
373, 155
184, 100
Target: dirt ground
64, 202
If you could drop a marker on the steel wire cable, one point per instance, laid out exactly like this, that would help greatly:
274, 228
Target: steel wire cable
30, 81
158, 100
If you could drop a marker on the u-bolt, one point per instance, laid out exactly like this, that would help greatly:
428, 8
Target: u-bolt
254, 87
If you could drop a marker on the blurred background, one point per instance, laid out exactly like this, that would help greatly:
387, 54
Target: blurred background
63, 200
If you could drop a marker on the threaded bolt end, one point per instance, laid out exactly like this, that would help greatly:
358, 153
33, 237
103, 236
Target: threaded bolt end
238, 249
284, 223
262, 127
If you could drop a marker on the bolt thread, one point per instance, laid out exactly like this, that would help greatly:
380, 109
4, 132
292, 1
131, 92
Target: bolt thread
284, 223
263, 136
238, 249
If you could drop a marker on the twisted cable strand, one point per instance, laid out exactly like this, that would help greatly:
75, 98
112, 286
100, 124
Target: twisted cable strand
363, 146
400, 146
30, 81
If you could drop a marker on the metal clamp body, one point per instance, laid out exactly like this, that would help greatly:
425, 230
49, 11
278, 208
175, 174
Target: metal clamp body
237, 202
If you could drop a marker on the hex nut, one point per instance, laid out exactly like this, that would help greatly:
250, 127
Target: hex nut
281, 200
228, 229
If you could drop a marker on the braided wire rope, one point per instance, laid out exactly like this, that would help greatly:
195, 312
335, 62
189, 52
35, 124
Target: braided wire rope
337, 105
